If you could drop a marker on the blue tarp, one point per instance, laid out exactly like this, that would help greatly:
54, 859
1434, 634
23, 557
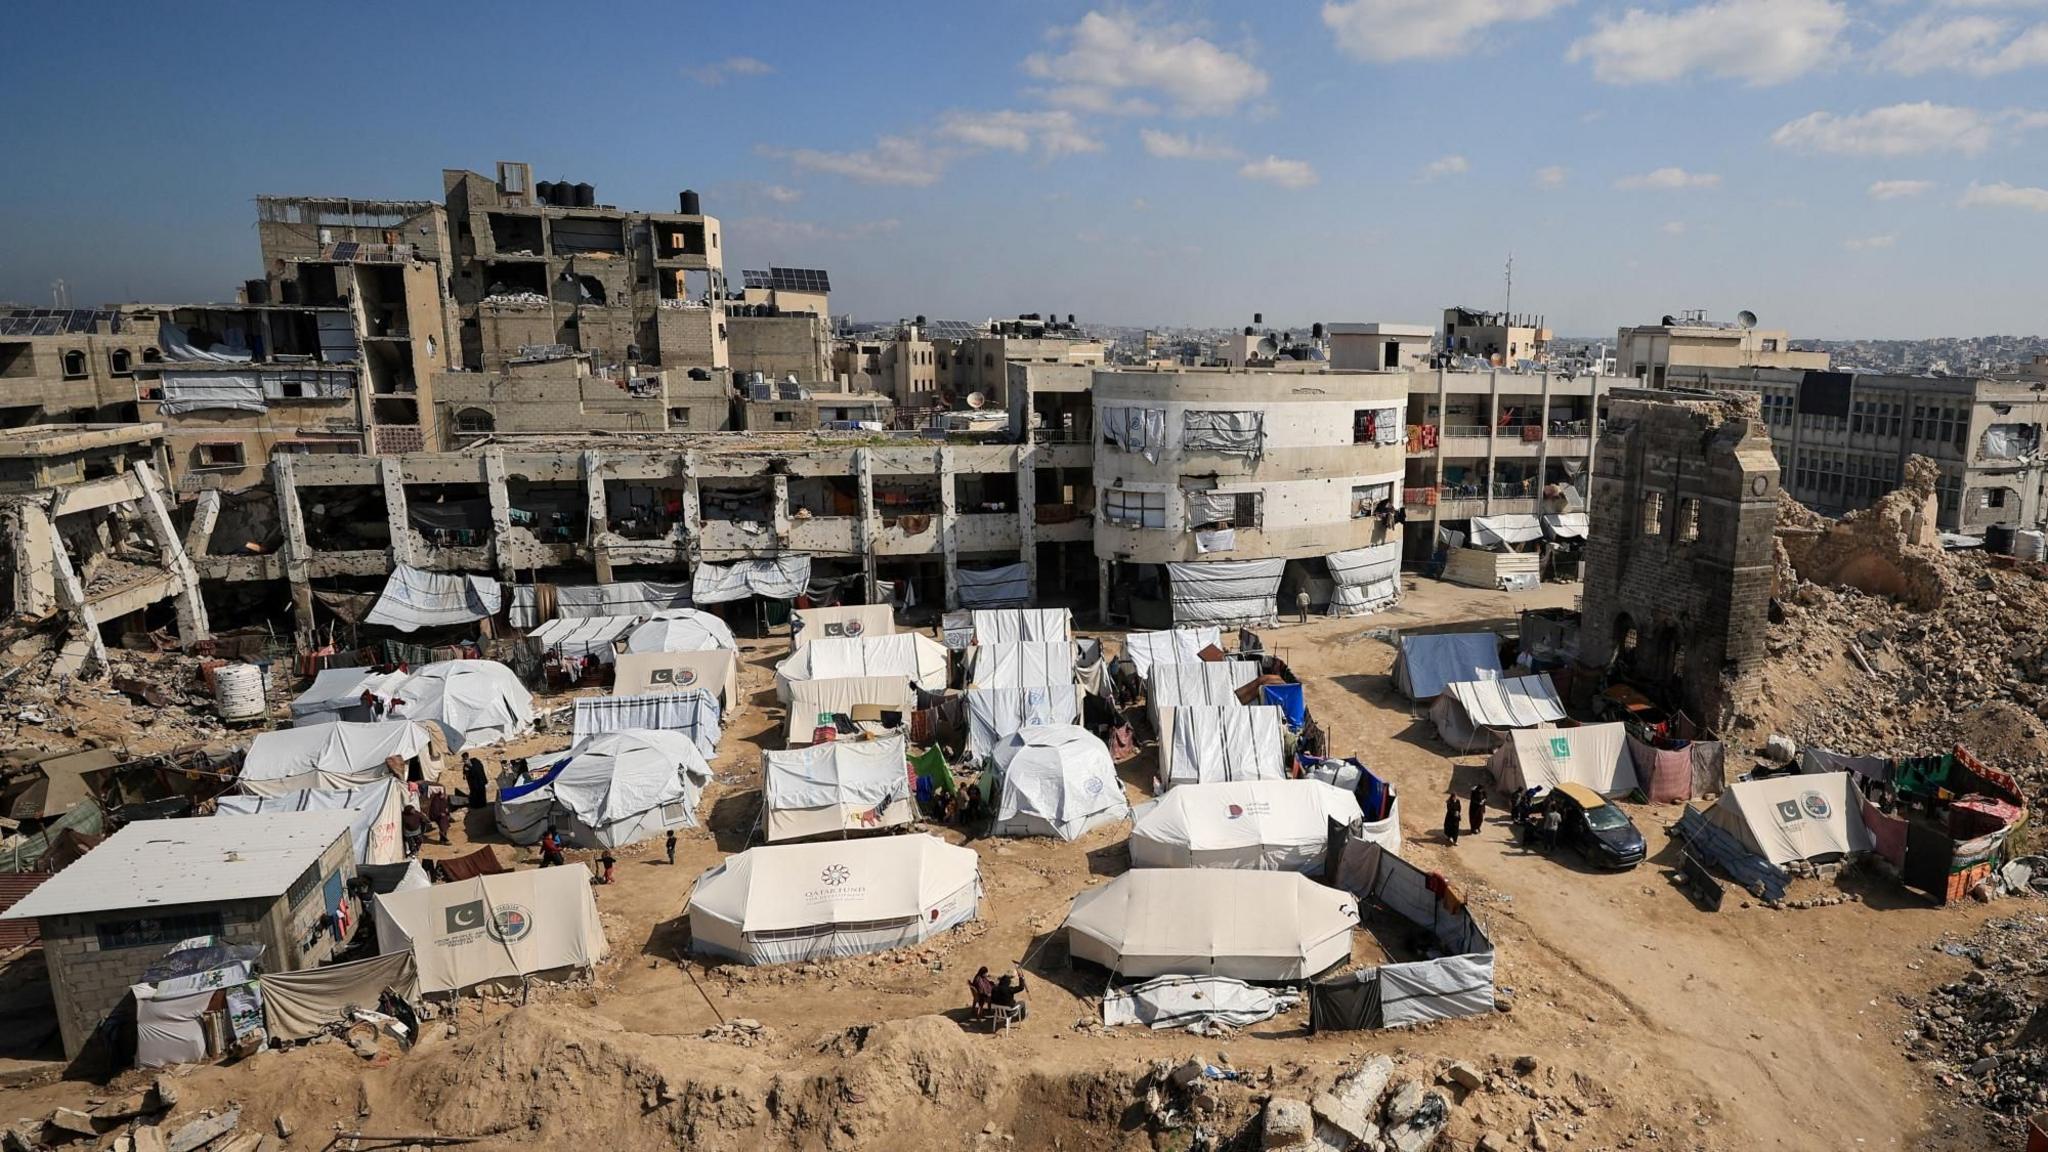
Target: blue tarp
1288, 698
535, 786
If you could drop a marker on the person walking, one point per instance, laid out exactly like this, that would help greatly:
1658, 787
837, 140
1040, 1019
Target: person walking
440, 813
1301, 604
1475, 807
1453, 816
669, 845
478, 781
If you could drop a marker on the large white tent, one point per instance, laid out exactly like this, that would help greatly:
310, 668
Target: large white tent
578, 636
812, 703
1280, 825
796, 902
645, 673
1225, 591
1364, 579
1272, 926
1428, 662
1470, 713
497, 927
1206, 744
911, 655
379, 807
681, 630
996, 714
841, 622
333, 756
612, 790
1200, 682
1595, 755
836, 787
1815, 817
1057, 780
1174, 646
694, 712
1010, 625
1020, 664
473, 702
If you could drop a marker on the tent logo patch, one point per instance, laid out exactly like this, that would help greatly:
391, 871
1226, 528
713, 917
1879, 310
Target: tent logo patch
1560, 746
853, 628
1236, 811
1815, 804
835, 875
686, 676
510, 923
1093, 787
465, 917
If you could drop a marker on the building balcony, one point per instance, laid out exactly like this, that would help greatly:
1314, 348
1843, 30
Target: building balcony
986, 532
1464, 439
829, 535
738, 538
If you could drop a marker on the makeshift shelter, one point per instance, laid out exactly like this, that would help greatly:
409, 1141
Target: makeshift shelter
1004, 586
473, 702
1056, 780
1477, 714
1225, 591
1264, 926
201, 999
1457, 982
776, 578
877, 702
1595, 755
1429, 662
648, 673
1277, 825
1020, 664
1482, 568
337, 694
400, 877
1194, 1002
837, 787
996, 714
533, 603
1290, 699
495, 927
612, 790
1953, 825
800, 902
413, 599
1210, 683
681, 630
336, 756
483, 861
841, 622
1027, 625
1364, 579
379, 807
692, 712
302, 1005
911, 655
578, 636
1173, 646
1208, 745
1799, 819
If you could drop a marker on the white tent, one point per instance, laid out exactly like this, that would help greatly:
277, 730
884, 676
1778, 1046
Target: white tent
911, 655
578, 636
496, 927
1470, 712
1206, 745
1057, 780
1364, 579
337, 694
1595, 755
414, 599
379, 807
1817, 817
1213, 683
1510, 528
798, 902
642, 673
814, 702
331, 756
996, 714
841, 622
475, 702
1429, 661
836, 787
1225, 591
1175, 646
1020, 664
1271, 926
693, 712
1009, 625
681, 630
1281, 825
612, 790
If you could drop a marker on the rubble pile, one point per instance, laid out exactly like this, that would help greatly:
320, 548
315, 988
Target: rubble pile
1979, 1035
1888, 549
148, 703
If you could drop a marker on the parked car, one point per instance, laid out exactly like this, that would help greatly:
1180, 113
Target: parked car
1603, 834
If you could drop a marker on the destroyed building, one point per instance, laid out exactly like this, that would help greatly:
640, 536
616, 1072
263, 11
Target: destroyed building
1679, 561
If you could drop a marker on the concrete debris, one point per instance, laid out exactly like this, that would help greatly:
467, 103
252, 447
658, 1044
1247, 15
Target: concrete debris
1977, 1036
202, 1131
73, 1121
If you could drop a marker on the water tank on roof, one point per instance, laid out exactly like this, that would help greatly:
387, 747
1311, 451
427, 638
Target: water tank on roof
691, 204
544, 192
584, 195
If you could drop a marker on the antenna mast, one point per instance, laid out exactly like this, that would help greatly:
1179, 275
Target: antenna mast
1511, 286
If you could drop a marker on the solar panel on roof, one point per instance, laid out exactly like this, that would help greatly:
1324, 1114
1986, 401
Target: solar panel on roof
80, 320
750, 278
346, 250
799, 280
48, 326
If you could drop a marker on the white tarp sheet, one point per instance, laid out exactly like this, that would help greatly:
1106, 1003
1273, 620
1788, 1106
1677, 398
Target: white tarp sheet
1140, 430
337, 694
650, 673
1264, 926
797, 902
911, 655
1057, 780
379, 809
213, 390
1007, 625
1185, 1001
1468, 708
1225, 591
691, 712
474, 702
1208, 506
615, 789
777, 578
1280, 825
841, 622
1208, 682
995, 714
813, 703
1365, 578
681, 630
1174, 646
1429, 662
836, 787
1595, 755
414, 599
1237, 433
1511, 528
1565, 525
1207, 745
578, 636
1788, 819
1021, 664
334, 756
994, 587
1447, 988
629, 598
497, 927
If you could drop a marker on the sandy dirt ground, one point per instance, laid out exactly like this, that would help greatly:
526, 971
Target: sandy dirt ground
1656, 1024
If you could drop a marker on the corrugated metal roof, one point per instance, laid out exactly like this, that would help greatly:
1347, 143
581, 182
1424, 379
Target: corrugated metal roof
161, 863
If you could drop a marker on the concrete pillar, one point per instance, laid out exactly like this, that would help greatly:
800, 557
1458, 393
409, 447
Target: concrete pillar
1027, 513
949, 529
1492, 433
501, 514
71, 594
297, 556
1102, 592
1543, 445
404, 546
33, 537
779, 507
191, 607
205, 515
596, 514
1436, 463
693, 512
864, 532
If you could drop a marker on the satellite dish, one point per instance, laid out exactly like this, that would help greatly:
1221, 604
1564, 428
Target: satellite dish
1267, 346
977, 401
1746, 318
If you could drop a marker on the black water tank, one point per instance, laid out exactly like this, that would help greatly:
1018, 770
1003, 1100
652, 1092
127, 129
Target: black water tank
585, 196
1315, 330
1258, 317
544, 192
691, 204
1999, 538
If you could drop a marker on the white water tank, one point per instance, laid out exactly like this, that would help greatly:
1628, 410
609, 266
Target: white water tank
2030, 544
238, 693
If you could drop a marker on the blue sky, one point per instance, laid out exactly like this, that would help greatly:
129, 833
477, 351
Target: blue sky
1842, 167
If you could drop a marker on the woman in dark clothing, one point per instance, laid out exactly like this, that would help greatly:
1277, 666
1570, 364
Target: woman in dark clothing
1476, 808
1453, 816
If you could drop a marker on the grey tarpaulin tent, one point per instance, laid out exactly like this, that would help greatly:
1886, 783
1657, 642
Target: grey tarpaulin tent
1429, 661
1003, 587
1364, 579
414, 599
1225, 591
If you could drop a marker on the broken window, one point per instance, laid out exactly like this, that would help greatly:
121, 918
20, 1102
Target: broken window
1688, 520
1653, 514
74, 365
1366, 499
1134, 509
2009, 441
475, 421
119, 362
220, 454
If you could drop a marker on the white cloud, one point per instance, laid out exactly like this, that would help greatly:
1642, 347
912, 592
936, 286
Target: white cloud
2003, 195
1050, 133
1668, 179
1551, 177
786, 233
781, 194
1897, 130
1140, 204
1759, 42
1983, 45
1118, 63
1383, 30
1175, 146
1445, 166
1899, 189
719, 71
1673, 228
896, 160
1867, 243
1285, 173
2024, 120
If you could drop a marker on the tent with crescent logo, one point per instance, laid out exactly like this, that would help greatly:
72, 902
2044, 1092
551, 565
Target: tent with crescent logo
1815, 818
497, 927
787, 903
646, 673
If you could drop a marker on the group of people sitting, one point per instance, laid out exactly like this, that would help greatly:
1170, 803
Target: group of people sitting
958, 805
993, 994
